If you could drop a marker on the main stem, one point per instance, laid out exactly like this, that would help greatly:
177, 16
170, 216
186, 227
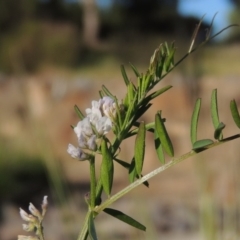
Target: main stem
92, 183
173, 162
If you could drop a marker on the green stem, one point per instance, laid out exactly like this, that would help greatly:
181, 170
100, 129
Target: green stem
92, 183
174, 161
84, 232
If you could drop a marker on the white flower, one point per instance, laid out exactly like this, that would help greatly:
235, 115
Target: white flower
44, 205
34, 211
27, 217
92, 143
108, 107
76, 152
103, 125
83, 127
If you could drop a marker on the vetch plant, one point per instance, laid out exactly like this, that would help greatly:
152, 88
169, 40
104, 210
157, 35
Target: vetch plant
34, 221
122, 118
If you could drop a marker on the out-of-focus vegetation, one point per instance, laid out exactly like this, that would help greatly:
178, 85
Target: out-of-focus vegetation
36, 33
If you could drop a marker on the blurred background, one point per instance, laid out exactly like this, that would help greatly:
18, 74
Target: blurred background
58, 53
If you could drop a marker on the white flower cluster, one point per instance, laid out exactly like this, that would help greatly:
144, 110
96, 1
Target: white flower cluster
98, 122
34, 220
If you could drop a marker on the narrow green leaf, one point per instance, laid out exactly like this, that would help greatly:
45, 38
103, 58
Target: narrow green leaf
132, 171
148, 78
214, 113
156, 94
169, 61
194, 121
235, 113
91, 228
214, 109
106, 91
141, 110
122, 163
107, 168
101, 94
133, 174
78, 112
201, 144
135, 70
130, 93
218, 131
163, 135
158, 147
139, 149
125, 218
124, 74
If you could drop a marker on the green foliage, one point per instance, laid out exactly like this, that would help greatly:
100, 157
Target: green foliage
140, 148
107, 171
125, 218
163, 136
235, 113
127, 124
194, 121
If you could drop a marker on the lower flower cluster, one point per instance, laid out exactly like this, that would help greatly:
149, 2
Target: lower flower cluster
98, 122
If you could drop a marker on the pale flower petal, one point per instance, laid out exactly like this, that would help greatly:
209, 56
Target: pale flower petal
76, 152
92, 143
108, 106
34, 211
104, 125
26, 217
44, 205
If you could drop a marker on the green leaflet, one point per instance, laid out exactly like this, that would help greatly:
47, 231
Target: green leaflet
139, 149
158, 147
91, 227
132, 171
214, 114
78, 112
235, 113
156, 94
125, 77
194, 121
201, 144
106, 91
218, 131
135, 70
163, 135
107, 168
122, 163
125, 218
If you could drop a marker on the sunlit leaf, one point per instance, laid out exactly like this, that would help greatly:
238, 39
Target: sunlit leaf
107, 168
214, 113
158, 147
218, 131
135, 70
125, 218
139, 149
132, 171
201, 144
124, 74
235, 113
194, 121
163, 135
